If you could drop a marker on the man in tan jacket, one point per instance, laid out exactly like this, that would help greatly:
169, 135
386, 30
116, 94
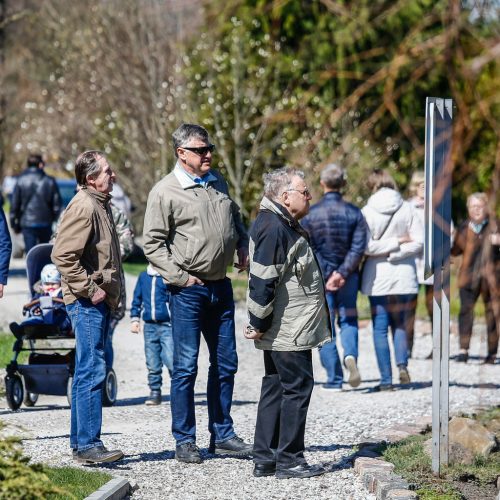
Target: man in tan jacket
87, 253
191, 231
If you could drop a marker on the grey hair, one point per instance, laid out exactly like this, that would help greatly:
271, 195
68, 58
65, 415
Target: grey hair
87, 165
278, 181
333, 176
478, 196
186, 132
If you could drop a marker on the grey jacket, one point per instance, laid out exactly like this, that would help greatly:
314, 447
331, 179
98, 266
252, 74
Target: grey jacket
190, 229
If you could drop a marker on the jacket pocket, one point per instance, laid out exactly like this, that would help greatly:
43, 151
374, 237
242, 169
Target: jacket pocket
102, 277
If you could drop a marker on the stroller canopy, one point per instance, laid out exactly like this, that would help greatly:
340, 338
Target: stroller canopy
36, 258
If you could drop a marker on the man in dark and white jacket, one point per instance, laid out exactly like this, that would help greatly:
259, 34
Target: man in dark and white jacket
288, 317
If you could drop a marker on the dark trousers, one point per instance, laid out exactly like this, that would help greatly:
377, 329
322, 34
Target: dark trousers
284, 400
468, 298
35, 235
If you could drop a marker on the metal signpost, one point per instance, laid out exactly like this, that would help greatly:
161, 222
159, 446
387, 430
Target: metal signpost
438, 131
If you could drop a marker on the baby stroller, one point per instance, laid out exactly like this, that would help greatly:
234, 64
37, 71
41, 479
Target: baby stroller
49, 369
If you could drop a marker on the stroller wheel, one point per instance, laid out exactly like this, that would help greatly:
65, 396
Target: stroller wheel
110, 388
30, 398
14, 391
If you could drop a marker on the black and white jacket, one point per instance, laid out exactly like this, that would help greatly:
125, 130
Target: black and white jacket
286, 297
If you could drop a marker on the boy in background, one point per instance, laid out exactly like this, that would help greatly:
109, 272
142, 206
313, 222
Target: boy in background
152, 297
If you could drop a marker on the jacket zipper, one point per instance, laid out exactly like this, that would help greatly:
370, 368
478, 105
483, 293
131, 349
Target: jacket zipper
153, 290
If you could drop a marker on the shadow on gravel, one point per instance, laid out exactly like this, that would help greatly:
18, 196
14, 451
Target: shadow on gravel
17, 273
328, 447
141, 457
137, 401
38, 408
235, 402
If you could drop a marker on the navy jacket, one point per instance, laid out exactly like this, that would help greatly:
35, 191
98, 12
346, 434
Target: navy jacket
337, 231
150, 295
5, 248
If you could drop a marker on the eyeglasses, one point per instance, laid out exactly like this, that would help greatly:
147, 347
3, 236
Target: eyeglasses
305, 193
203, 150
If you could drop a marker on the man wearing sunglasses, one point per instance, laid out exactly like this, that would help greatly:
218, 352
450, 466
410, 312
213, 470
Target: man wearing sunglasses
191, 231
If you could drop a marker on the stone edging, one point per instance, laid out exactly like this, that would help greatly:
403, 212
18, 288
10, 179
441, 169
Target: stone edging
376, 474
115, 489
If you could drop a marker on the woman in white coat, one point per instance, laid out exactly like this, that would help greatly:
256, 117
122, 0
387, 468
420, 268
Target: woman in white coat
389, 275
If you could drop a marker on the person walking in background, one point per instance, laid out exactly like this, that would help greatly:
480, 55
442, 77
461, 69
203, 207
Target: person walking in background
36, 203
125, 234
191, 231
288, 317
151, 297
337, 232
395, 237
478, 241
87, 253
5, 250
417, 200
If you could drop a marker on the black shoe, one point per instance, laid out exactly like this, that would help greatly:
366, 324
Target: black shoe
262, 470
235, 447
490, 359
300, 471
383, 387
188, 453
154, 398
98, 454
462, 357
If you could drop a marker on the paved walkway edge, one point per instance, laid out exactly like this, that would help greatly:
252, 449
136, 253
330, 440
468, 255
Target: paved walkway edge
115, 489
376, 474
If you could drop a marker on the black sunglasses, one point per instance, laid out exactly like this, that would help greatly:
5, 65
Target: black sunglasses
203, 150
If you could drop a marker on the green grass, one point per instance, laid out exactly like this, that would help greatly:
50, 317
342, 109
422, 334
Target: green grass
134, 268
77, 483
6, 343
414, 465
20, 479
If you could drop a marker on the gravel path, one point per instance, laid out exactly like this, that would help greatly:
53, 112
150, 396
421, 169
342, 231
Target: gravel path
336, 421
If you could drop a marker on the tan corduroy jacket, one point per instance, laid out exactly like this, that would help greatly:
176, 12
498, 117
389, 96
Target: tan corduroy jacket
87, 250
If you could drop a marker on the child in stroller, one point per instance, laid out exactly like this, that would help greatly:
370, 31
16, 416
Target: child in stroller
47, 306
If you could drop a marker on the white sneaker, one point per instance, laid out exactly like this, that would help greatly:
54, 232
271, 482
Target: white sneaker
354, 377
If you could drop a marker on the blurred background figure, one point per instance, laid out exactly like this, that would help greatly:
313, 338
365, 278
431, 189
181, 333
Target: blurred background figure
389, 276
121, 200
5, 250
478, 241
417, 200
35, 205
337, 232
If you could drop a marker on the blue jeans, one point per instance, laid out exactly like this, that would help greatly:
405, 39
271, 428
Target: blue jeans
159, 350
206, 309
341, 304
90, 324
393, 311
109, 353
34, 235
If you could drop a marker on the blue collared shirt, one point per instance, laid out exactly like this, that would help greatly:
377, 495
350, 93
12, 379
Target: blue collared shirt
187, 180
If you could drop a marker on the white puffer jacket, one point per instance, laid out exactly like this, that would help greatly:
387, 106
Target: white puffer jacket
390, 267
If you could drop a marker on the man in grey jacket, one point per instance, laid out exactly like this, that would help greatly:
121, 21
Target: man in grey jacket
191, 231
288, 317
